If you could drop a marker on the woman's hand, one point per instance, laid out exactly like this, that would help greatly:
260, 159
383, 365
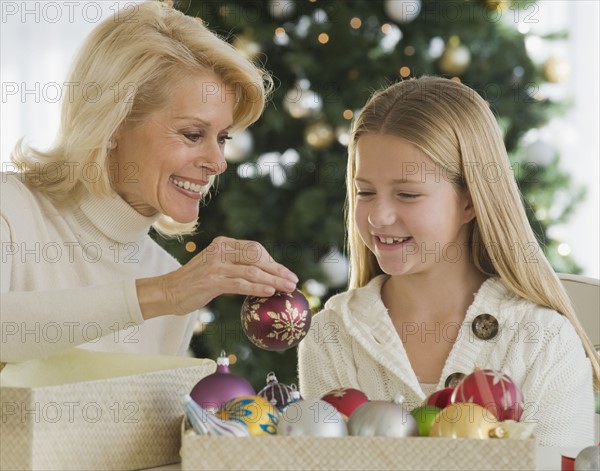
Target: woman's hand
226, 266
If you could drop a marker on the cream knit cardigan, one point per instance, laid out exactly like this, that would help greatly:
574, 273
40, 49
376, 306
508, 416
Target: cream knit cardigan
352, 343
68, 278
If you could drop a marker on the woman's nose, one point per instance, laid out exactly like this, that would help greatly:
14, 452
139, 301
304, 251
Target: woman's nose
212, 160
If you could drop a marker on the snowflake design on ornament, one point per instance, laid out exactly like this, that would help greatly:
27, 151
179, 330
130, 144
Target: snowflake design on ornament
285, 328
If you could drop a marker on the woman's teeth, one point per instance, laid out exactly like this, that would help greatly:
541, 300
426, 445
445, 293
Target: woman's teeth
186, 185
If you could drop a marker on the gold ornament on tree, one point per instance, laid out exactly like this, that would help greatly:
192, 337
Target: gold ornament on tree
456, 57
498, 5
556, 70
246, 46
319, 135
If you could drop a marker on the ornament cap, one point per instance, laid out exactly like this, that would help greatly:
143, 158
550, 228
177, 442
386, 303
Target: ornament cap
223, 359
399, 399
271, 378
498, 432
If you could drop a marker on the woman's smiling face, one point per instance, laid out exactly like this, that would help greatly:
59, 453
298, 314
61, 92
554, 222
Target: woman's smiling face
166, 163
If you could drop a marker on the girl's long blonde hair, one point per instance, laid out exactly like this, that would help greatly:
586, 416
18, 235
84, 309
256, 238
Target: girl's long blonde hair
455, 127
125, 70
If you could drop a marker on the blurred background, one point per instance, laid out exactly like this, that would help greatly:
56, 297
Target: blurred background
535, 62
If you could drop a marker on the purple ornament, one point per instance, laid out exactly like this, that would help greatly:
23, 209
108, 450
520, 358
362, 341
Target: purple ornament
214, 390
279, 394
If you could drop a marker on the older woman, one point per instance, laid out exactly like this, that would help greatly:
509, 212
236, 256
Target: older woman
138, 147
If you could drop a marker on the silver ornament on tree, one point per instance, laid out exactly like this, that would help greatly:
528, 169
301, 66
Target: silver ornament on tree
540, 152
335, 267
281, 9
402, 11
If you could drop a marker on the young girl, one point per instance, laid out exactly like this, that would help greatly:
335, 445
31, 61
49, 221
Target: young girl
446, 273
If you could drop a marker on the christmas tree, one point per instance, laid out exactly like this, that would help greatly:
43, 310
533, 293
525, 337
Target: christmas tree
284, 185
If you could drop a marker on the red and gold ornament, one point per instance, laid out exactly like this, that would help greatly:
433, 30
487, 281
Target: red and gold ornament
493, 390
346, 400
278, 322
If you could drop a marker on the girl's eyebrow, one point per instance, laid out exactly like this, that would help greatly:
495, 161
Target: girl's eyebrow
395, 181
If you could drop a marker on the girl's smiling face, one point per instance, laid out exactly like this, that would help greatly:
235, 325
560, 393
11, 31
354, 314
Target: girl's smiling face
166, 163
408, 214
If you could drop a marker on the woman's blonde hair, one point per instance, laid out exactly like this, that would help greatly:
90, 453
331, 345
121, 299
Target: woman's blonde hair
454, 126
125, 70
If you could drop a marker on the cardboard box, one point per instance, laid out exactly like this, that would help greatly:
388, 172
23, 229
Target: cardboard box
87, 410
354, 453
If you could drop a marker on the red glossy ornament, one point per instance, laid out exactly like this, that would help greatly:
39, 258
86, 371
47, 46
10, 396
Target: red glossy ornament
493, 390
214, 390
276, 323
345, 400
441, 398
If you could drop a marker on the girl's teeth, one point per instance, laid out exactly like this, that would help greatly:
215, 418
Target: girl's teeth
392, 240
186, 185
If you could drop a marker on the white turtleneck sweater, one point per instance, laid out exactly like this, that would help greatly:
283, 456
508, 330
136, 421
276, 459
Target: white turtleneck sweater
352, 343
68, 278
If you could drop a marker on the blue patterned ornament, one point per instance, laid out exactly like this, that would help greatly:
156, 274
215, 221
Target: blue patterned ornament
279, 394
258, 414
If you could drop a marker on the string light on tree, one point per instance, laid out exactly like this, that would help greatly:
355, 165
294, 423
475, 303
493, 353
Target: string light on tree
402, 11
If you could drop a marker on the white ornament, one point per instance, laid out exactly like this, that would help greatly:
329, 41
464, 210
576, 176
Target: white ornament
281, 9
240, 145
335, 266
540, 152
402, 11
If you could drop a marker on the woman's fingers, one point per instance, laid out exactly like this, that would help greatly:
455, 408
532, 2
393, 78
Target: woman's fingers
259, 266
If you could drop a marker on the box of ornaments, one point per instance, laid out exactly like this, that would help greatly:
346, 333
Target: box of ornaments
227, 425
80, 409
